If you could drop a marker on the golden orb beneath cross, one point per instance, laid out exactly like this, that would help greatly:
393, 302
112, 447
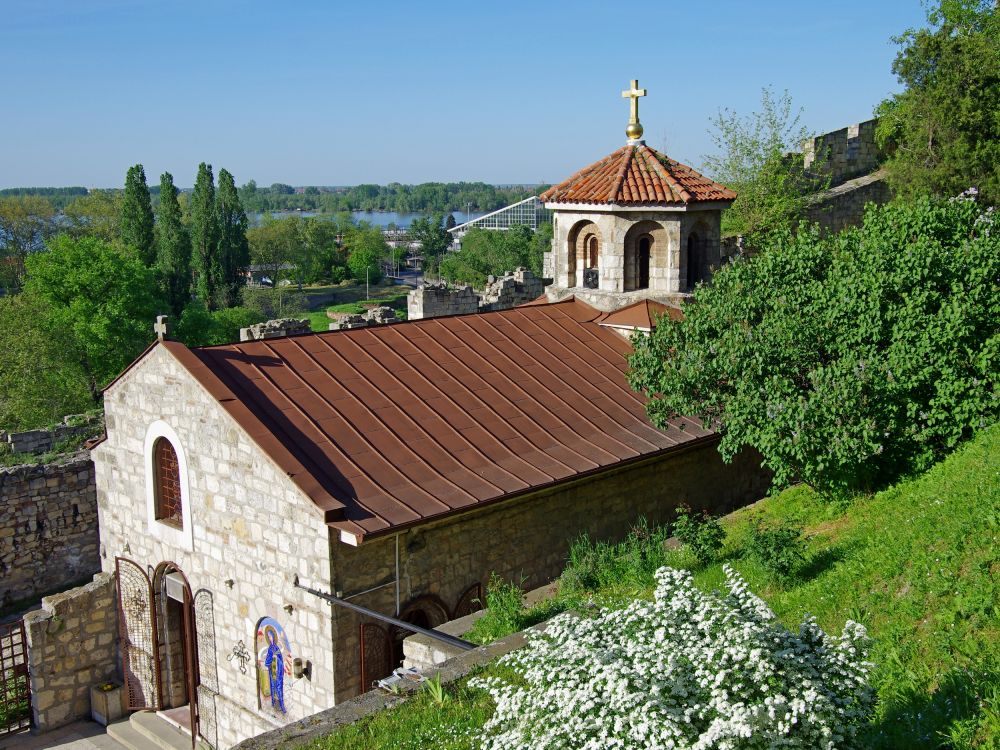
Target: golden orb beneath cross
634, 131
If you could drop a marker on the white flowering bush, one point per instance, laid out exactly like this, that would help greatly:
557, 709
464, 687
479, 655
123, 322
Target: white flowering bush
688, 670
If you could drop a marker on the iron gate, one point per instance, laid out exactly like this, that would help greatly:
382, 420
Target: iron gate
15, 690
137, 628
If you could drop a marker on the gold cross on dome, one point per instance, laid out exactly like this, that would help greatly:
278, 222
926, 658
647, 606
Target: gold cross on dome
634, 93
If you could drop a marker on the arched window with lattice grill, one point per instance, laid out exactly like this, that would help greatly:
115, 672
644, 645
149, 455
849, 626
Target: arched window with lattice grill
167, 476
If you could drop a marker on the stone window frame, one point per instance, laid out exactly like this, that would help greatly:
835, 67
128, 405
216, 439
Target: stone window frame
168, 533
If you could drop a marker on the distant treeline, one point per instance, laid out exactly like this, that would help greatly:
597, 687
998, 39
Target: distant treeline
428, 197
57, 196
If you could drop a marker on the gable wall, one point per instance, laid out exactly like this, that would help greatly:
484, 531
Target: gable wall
253, 531
527, 537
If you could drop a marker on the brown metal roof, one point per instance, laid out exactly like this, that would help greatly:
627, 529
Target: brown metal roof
637, 176
390, 426
642, 314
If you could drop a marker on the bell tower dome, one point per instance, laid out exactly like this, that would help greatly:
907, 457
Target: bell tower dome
634, 225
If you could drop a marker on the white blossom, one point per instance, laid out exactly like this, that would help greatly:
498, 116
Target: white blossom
689, 670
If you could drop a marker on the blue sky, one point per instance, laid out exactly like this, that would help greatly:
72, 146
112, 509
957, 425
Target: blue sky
337, 93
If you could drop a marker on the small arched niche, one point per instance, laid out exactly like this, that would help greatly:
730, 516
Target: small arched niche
583, 252
696, 260
645, 255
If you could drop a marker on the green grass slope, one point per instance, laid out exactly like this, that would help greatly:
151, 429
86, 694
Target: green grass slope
918, 564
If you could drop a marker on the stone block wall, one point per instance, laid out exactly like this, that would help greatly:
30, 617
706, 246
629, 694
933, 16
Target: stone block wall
431, 300
48, 527
844, 206
40, 441
72, 645
248, 533
843, 154
527, 539
511, 290
271, 329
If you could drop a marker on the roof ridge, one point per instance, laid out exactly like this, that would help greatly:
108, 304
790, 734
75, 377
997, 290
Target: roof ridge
665, 174
616, 186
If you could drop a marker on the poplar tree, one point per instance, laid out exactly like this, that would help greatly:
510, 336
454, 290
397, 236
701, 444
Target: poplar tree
136, 218
173, 248
205, 236
234, 251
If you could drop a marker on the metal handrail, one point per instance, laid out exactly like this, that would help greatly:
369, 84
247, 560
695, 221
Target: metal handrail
430, 633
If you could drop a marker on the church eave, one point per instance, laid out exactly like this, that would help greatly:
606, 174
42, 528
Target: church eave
713, 205
353, 534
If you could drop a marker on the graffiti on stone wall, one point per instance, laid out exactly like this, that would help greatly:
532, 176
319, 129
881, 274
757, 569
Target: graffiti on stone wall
274, 665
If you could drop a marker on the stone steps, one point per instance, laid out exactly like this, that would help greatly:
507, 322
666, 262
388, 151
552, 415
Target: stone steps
146, 730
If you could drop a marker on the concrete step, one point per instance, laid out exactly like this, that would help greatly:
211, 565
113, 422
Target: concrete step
162, 734
125, 735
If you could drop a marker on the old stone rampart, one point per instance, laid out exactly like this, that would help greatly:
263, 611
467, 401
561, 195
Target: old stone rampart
40, 441
431, 300
844, 154
844, 206
71, 647
48, 527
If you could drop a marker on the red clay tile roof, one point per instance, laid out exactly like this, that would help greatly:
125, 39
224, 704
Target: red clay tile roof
637, 176
390, 426
642, 314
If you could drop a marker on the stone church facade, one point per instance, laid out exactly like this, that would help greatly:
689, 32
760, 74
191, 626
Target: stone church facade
394, 467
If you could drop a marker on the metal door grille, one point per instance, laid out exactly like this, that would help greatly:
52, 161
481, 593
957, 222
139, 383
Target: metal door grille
15, 690
137, 628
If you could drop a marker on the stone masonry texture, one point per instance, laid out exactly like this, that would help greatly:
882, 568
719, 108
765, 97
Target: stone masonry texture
72, 645
48, 528
527, 539
253, 534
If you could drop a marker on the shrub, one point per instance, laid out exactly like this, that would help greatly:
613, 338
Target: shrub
631, 562
504, 610
845, 360
689, 669
701, 533
779, 548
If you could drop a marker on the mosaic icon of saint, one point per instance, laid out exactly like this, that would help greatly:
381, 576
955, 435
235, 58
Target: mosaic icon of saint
274, 663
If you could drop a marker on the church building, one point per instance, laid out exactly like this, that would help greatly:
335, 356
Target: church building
396, 467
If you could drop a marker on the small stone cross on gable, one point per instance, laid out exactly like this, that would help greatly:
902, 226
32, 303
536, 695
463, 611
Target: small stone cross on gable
161, 328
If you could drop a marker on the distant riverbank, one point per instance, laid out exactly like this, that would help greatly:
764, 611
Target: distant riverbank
376, 218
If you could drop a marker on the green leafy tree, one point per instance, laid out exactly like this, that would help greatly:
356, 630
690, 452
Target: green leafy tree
198, 326
136, 228
205, 233
487, 252
25, 223
97, 214
846, 360
173, 248
277, 247
234, 250
751, 160
322, 253
434, 239
40, 380
102, 303
943, 129
366, 249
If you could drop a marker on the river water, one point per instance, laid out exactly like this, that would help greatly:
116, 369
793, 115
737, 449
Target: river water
377, 218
